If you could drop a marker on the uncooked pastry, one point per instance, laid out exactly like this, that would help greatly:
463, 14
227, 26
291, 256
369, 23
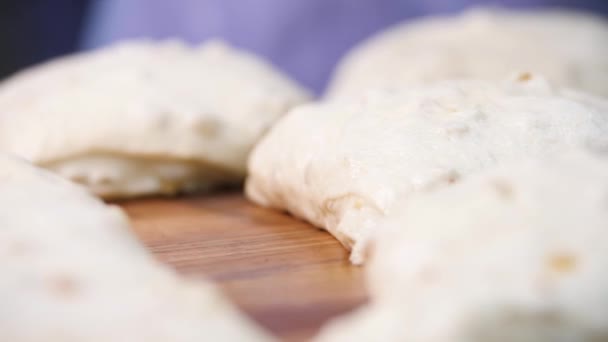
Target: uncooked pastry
144, 117
516, 253
569, 48
342, 165
72, 271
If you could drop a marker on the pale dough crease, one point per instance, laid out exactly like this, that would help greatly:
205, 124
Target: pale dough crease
116, 176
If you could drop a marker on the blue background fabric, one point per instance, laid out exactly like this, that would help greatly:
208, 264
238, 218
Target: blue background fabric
304, 38
32, 31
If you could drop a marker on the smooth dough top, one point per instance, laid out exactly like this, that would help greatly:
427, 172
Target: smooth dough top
152, 100
71, 270
569, 48
515, 253
342, 165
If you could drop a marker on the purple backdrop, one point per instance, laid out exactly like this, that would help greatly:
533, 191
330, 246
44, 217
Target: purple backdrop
303, 37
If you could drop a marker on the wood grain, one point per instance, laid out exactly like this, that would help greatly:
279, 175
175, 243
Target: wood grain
287, 275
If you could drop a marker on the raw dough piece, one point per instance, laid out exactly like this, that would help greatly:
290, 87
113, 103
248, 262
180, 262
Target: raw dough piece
144, 117
342, 165
71, 270
517, 253
569, 48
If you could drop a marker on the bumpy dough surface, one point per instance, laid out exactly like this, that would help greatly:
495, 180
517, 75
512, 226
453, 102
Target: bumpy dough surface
72, 271
342, 165
569, 48
202, 107
516, 253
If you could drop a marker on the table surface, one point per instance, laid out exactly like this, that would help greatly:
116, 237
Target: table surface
287, 275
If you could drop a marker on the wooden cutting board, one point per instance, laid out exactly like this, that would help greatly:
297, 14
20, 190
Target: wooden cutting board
287, 275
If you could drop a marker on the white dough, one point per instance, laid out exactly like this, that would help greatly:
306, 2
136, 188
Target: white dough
72, 271
569, 48
143, 106
342, 165
516, 253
